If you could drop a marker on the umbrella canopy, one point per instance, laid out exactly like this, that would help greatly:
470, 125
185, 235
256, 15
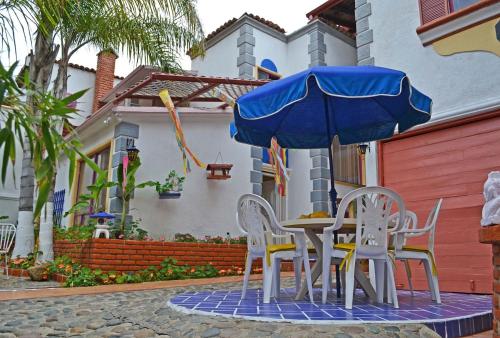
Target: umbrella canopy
306, 110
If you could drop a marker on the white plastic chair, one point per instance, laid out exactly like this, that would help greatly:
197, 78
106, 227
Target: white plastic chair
256, 219
423, 254
410, 222
373, 208
7, 234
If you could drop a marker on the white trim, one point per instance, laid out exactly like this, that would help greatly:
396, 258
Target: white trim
188, 111
457, 113
457, 24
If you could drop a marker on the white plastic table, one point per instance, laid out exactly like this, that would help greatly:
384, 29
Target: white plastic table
313, 227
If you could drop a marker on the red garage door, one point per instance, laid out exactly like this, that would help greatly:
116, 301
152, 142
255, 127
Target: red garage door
451, 162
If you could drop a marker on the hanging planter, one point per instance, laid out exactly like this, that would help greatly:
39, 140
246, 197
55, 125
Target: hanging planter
218, 171
168, 195
172, 187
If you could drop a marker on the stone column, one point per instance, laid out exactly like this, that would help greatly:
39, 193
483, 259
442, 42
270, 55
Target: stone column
256, 172
123, 132
364, 35
320, 177
491, 235
246, 58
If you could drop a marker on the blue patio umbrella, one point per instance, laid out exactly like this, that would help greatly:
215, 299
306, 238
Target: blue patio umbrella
306, 110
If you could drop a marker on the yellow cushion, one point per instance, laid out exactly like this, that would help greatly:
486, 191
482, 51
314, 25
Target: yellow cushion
270, 249
345, 246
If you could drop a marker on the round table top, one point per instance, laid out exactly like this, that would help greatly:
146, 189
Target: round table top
318, 224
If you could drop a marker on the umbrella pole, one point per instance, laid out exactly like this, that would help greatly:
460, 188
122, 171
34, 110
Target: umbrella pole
333, 200
333, 192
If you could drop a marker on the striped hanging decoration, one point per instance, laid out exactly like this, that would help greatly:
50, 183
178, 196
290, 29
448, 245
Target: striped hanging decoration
278, 155
219, 94
179, 135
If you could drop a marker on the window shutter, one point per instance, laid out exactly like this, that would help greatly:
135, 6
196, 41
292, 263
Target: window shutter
432, 9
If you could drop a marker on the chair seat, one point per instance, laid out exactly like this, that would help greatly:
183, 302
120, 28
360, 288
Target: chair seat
270, 249
345, 246
410, 248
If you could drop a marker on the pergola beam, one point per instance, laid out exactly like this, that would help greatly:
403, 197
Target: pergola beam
195, 94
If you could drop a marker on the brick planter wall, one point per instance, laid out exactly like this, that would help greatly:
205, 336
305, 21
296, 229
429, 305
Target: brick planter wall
491, 235
15, 272
128, 255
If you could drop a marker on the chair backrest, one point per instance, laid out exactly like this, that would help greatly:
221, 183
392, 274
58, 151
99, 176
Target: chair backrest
256, 218
430, 225
7, 234
373, 208
410, 222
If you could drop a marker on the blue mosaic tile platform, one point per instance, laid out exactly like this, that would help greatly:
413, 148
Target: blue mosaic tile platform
458, 315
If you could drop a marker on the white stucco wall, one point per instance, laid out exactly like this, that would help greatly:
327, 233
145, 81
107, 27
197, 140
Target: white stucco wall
269, 47
453, 82
206, 207
299, 186
9, 192
338, 52
457, 84
298, 58
220, 59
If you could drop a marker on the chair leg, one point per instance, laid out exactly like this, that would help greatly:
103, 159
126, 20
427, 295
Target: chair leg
6, 265
408, 275
297, 268
349, 287
392, 284
246, 276
428, 274
268, 279
371, 272
307, 271
326, 272
276, 278
379, 279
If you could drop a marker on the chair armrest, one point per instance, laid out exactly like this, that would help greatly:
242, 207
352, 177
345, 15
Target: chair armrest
411, 231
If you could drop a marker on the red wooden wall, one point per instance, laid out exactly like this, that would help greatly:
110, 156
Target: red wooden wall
453, 163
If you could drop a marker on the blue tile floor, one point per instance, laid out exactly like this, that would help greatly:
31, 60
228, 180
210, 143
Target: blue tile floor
458, 315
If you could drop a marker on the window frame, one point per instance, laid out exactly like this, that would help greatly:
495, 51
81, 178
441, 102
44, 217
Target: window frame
78, 177
272, 75
454, 21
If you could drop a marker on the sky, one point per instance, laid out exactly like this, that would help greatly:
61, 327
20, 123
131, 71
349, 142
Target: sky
289, 14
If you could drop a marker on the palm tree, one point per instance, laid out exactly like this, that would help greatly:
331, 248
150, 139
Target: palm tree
149, 31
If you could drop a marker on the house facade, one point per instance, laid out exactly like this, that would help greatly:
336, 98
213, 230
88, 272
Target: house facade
79, 78
450, 50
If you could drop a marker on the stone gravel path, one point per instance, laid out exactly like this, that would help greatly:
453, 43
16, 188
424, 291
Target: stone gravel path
22, 283
145, 314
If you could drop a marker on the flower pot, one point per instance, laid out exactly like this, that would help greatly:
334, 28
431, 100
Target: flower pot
169, 195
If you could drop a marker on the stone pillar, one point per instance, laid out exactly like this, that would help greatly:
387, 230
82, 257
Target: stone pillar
123, 132
316, 48
364, 35
246, 58
491, 235
320, 177
256, 172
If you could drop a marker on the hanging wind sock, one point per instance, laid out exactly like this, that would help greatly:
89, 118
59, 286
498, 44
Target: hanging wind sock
279, 159
179, 135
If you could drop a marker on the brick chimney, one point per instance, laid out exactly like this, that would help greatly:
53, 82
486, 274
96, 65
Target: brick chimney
104, 76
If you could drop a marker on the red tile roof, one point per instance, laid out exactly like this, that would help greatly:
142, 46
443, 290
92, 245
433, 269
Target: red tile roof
255, 17
88, 69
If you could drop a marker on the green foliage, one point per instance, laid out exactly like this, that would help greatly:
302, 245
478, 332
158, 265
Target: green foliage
24, 262
184, 238
169, 269
128, 185
132, 231
81, 277
91, 200
173, 182
76, 232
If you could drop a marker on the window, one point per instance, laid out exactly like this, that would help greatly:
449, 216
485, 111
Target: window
86, 177
456, 5
346, 163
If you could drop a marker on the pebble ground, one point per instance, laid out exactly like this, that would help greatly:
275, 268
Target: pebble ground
143, 314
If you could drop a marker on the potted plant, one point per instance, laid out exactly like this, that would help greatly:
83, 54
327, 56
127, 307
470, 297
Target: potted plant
172, 187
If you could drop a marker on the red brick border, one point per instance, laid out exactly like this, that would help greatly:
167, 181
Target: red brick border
131, 255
